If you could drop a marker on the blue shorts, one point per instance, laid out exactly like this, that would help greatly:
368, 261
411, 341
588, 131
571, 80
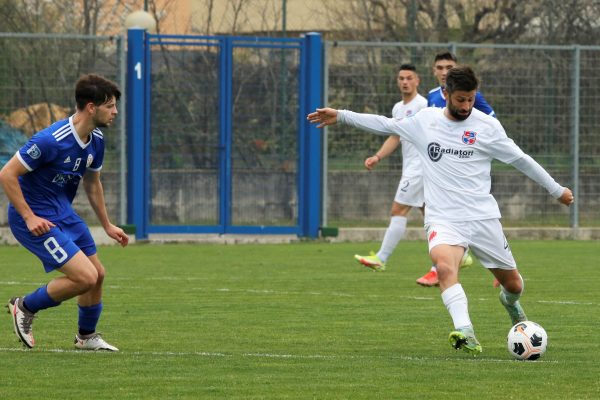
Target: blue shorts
55, 248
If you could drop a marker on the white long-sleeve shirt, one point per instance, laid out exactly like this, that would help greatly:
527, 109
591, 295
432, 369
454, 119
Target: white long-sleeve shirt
411, 164
456, 158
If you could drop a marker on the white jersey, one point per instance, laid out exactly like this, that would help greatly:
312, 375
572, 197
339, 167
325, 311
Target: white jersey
411, 165
456, 157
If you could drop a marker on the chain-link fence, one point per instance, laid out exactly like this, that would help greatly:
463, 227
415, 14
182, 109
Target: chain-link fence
37, 80
546, 97
185, 129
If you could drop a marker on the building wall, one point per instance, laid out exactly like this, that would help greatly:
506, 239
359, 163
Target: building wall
260, 16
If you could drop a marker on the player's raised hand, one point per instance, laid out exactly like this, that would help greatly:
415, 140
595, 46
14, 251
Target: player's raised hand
118, 234
567, 197
38, 225
323, 117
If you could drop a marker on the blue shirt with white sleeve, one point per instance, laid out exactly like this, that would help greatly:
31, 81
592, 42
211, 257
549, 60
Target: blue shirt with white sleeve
57, 159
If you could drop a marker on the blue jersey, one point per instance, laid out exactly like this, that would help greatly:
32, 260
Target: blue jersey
436, 98
57, 159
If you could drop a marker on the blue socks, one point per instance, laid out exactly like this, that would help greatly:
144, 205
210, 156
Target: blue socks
39, 300
88, 318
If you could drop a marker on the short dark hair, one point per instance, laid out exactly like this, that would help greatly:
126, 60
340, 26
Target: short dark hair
407, 67
445, 55
461, 77
92, 88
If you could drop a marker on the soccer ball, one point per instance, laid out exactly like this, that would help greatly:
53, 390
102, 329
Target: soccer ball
527, 341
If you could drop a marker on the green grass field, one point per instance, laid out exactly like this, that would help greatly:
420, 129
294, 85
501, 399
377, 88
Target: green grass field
303, 321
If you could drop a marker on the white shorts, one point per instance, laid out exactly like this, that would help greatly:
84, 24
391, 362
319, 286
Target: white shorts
410, 191
485, 239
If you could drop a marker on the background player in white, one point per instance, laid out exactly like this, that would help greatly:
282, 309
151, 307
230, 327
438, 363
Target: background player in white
442, 63
410, 188
457, 145
40, 182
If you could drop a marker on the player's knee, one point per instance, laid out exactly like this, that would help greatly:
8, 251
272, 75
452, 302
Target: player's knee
514, 286
101, 273
445, 270
87, 279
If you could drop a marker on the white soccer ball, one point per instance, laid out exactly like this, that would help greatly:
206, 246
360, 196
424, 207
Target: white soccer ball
527, 341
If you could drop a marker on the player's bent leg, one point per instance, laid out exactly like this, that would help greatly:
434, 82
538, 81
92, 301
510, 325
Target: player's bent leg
431, 278
447, 258
80, 276
511, 285
90, 308
94, 294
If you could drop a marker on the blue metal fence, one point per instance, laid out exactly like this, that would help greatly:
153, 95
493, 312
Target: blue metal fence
233, 145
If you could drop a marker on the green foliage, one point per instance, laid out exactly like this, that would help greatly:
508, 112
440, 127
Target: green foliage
303, 321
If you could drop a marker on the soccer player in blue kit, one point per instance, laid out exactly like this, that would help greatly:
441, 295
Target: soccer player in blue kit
442, 63
40, 181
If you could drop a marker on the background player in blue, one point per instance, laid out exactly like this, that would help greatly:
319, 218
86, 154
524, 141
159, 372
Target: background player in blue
442, 63
40, 181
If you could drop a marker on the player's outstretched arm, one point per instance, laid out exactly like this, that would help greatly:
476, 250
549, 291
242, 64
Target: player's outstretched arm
537, 173
323, 117
371, 123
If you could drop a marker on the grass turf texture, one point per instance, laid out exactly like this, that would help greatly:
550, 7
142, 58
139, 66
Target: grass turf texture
303, 321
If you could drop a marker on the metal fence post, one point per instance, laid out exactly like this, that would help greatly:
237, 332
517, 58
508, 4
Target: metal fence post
122, 134
325, 190
311, 136
225, 131
575, 85
136, 143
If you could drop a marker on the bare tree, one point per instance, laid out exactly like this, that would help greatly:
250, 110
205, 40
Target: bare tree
501, 21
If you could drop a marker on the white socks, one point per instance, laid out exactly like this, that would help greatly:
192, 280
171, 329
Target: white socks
455, 300
393, 235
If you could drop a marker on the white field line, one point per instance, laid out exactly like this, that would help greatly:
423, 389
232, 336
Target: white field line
328, 294
269, 355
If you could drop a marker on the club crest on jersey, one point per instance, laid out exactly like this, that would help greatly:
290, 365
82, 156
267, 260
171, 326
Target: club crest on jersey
89, 161
469, 137
34, 152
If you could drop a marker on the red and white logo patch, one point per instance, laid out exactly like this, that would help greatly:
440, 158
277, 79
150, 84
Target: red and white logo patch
469, 137
432, 235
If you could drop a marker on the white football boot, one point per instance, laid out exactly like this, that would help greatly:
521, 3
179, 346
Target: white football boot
93, 342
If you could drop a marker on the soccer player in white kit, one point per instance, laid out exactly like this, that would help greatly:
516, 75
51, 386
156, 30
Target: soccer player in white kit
410, 188
456, 146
